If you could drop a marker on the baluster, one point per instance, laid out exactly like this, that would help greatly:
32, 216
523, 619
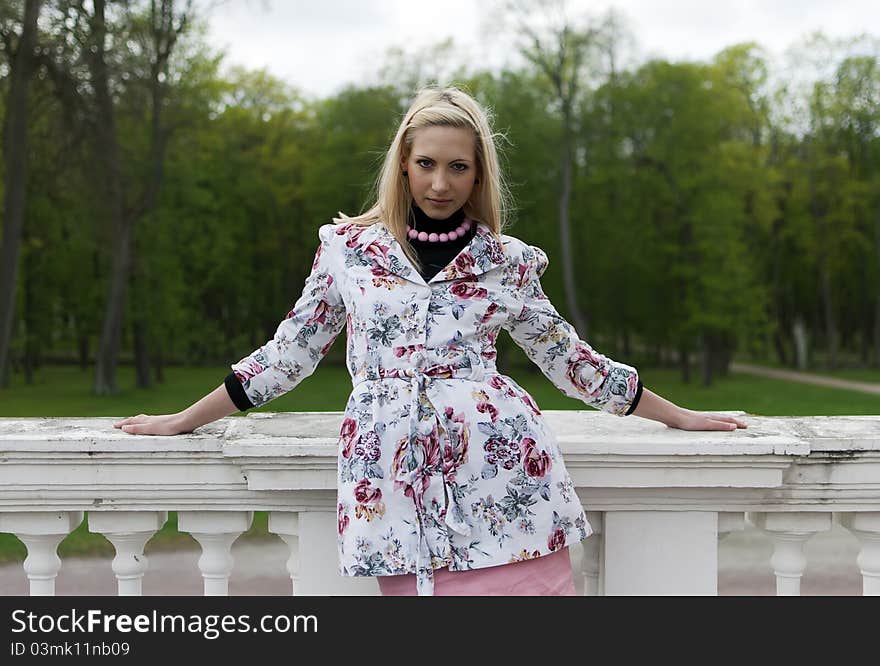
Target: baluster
286, 525
730, 521
41, 532
789, 532
660, 553
318, 561
215, 531
866, 526
128, 531
591, 562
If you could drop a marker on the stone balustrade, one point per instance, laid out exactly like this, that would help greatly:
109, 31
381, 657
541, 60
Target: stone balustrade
658, 499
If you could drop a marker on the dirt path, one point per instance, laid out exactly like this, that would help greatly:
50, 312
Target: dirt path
805, 378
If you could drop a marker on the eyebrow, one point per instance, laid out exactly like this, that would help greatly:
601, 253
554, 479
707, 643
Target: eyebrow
457, 159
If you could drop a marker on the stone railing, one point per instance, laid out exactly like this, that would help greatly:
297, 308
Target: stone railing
659, 499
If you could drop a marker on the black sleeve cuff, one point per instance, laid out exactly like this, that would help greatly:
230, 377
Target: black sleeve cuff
236, 393
635, 403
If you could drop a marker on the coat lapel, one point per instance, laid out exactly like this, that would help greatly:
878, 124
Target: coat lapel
482, 253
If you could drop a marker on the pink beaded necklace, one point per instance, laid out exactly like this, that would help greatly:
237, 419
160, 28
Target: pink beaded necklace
432, 237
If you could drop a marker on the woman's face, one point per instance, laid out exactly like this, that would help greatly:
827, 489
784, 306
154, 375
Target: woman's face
441, 169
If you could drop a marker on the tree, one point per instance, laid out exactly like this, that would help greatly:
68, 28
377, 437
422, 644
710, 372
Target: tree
689, 179
561, 52
856, 108
20, 50
99, 55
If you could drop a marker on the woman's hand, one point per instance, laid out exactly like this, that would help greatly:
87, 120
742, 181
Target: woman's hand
689, 420
658, 408
143, 424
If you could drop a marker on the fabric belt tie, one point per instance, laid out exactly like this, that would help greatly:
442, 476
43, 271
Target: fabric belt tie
455, 515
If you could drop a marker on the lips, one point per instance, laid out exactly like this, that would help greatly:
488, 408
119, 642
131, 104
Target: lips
439, 201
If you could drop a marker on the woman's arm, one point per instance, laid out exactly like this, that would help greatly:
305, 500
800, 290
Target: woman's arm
303, 337
213, 406
657, 408
580, 371
553, 344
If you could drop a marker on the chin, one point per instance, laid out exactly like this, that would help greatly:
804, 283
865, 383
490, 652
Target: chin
441, 211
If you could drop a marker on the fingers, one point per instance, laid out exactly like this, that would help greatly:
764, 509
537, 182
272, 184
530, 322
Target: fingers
130, 422
139, 429
729, 419
725, 423
131, 427
699, 421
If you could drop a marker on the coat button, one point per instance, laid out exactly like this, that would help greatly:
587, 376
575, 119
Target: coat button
417, 359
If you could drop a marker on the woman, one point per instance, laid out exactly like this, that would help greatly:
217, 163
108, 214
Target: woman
450, 481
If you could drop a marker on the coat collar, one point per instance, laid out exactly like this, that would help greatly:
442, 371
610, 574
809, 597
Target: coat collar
482, 253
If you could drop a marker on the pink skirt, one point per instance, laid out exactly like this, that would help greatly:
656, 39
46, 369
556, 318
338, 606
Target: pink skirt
546, 576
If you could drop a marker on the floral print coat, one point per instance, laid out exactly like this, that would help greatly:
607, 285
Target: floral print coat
442, 460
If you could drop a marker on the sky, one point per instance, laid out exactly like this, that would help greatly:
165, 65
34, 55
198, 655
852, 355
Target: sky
319, 46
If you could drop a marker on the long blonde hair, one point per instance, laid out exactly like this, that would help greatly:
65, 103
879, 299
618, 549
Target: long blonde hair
445, 107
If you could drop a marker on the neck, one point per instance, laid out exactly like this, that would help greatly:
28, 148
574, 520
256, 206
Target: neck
420, 221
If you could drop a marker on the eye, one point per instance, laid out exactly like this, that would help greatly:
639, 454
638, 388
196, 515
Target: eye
424, 163
464, 167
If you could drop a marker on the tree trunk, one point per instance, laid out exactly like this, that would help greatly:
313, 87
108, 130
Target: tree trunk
141, 356
107, 356
779, 344
83, 351
164, 37
707, 358
877, 302
21, 66
825, 295
828, 309
801, 343
579, 319
107, 143
29, 314
779, 337
720, 355
684, 362
866, 332
159, 365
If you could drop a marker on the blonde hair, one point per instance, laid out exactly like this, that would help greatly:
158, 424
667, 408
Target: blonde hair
445, 107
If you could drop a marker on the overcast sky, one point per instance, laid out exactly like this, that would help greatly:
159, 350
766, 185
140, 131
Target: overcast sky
320, 45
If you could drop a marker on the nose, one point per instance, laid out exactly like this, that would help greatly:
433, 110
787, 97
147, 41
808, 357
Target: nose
440, 182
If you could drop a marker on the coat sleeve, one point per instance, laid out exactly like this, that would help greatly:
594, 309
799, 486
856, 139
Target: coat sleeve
552, 343
303, 338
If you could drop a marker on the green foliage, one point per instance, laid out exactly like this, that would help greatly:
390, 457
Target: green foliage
355, 127
710, 210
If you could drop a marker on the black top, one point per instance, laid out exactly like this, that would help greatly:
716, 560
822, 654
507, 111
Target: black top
236, 393
434, 257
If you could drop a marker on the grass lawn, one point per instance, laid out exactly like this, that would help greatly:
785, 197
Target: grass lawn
66, 391
855, 374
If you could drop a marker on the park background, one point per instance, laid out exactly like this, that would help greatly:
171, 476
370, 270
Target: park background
703, 215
